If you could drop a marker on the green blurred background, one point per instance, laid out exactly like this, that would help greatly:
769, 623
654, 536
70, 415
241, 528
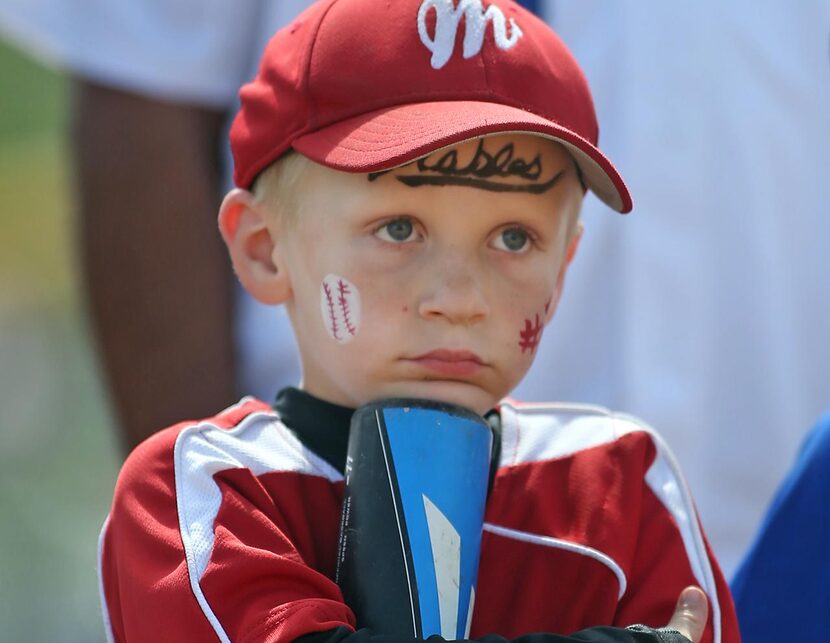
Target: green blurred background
58, 451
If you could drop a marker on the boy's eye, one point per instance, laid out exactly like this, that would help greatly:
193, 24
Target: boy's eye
396, 231
513, 240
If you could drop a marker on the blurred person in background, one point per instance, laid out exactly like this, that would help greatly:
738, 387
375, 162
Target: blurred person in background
714, 295
153, 82
788, 565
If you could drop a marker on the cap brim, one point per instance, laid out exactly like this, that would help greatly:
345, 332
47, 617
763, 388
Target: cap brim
394, 136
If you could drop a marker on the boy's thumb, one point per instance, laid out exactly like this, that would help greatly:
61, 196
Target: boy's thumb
690, 613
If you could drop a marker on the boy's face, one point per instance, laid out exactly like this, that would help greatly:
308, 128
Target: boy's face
433, 280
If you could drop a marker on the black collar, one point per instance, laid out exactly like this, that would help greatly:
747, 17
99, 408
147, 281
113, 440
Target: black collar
323, 427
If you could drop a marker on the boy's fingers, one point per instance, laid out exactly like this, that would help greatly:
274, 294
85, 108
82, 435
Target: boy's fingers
690, 613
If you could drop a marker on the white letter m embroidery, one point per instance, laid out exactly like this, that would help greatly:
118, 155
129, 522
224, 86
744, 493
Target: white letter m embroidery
447, 19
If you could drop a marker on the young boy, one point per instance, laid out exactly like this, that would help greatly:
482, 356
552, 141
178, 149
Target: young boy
410, 178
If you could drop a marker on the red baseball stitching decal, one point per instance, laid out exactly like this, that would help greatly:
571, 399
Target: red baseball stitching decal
344, 290
332, 319
340, 308
530, 336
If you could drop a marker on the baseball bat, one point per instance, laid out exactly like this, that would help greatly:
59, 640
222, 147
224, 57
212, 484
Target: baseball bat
415, 487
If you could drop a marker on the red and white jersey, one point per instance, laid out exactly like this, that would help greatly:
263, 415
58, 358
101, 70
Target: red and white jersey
227, 529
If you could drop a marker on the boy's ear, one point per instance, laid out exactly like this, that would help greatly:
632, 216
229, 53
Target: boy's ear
252, 244
570, 253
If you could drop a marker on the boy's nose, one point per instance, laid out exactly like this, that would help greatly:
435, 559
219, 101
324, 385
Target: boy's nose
457, 297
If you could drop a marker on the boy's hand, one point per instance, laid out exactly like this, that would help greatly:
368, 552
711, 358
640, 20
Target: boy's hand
688, 621
690, 614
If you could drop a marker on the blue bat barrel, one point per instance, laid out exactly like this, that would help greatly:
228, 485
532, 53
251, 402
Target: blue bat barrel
416, 484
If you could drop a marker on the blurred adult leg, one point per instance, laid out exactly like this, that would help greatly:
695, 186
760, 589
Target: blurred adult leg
157, 277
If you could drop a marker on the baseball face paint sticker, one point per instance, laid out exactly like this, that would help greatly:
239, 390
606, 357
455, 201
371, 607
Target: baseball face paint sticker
531, 334
340, 308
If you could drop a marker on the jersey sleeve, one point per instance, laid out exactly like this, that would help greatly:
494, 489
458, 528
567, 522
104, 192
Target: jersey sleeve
215, 561
183, 50
669, 550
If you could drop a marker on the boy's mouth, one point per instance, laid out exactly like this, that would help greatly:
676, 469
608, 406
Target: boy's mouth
444, 361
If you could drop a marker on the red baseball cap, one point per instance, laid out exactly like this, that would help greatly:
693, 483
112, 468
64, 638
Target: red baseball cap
369, 85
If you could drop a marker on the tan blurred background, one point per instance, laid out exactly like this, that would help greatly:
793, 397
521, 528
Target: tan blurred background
58, 455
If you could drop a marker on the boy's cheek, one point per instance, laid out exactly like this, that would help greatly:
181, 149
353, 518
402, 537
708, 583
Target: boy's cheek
368, 258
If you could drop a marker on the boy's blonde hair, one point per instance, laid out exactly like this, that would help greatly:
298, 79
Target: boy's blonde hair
278, 185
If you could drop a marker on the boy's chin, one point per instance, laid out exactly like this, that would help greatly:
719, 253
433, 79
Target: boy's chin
462, 394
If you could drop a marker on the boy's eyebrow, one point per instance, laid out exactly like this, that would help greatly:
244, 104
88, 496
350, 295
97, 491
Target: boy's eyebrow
482, 166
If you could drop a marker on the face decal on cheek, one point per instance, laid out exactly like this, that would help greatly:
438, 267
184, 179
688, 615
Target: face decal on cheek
531, 334
340, 308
